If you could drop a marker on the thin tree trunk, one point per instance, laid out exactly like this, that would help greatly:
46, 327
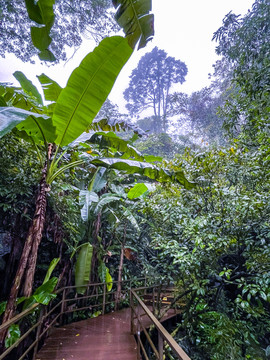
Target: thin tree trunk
37, 230
95, 243
119, 282
34, 236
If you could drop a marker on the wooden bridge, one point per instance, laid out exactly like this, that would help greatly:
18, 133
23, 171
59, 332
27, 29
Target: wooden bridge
105, 334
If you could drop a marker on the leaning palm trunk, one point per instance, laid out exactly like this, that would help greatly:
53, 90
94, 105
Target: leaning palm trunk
31, 245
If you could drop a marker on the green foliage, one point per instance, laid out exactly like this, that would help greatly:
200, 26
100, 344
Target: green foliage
50, 88
13, 335
42, 13
19, 167
134, 18
83, 267
214, 241
160, 145
104, 275
86, 198
2, 307
44, 293
32, 122
244, 45
111, 140
52, 266
137, 191
146, 169
88, 87
72, 20
27, 86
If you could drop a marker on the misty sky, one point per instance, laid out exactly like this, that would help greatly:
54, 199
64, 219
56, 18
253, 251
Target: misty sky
183, 29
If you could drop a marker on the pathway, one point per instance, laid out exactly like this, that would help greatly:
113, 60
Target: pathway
105, 337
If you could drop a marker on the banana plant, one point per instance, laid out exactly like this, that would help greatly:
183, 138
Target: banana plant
71, 111
115, 207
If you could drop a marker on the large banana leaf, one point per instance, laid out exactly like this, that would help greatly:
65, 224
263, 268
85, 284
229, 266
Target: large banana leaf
50, 88
137, 191
28, 86
83, 267
88, 87
110, 139
99, 180
86, 198
106, 199
133, 16
146, 169
127, 214
40, 129
42, 13
43, 294
35, 124
105, 276
52, 266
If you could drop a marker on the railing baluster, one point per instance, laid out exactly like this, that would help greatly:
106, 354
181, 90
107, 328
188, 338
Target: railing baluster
63, 306
104, 299
160, 346
138, 344
163, 334
38, 331
131, 302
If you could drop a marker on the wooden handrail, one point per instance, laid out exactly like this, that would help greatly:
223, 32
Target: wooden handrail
163, 333
61, 301
18, 317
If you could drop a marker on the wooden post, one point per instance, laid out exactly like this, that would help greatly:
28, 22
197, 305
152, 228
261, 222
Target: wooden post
160, 346
159, 300
138, 345
38, 332
131, 312
63, 305
104, 299
153, 300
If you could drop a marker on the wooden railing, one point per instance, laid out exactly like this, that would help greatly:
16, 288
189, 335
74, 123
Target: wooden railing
138, 311
60, 310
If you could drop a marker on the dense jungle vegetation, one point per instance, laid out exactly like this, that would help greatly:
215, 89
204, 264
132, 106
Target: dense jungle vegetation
110, 198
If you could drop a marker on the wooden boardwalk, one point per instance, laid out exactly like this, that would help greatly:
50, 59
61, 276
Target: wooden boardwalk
106, 337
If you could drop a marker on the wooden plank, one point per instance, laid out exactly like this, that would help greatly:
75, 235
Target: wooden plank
104, 337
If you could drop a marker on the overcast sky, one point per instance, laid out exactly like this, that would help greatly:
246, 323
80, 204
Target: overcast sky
183, 29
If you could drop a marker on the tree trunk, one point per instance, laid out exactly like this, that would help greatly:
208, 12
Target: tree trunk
119, 282
95, 244
35, 232
32, 240
37, 228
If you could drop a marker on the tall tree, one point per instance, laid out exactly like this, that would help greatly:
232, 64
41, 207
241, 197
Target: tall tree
151, 83
199, 113
244, 44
